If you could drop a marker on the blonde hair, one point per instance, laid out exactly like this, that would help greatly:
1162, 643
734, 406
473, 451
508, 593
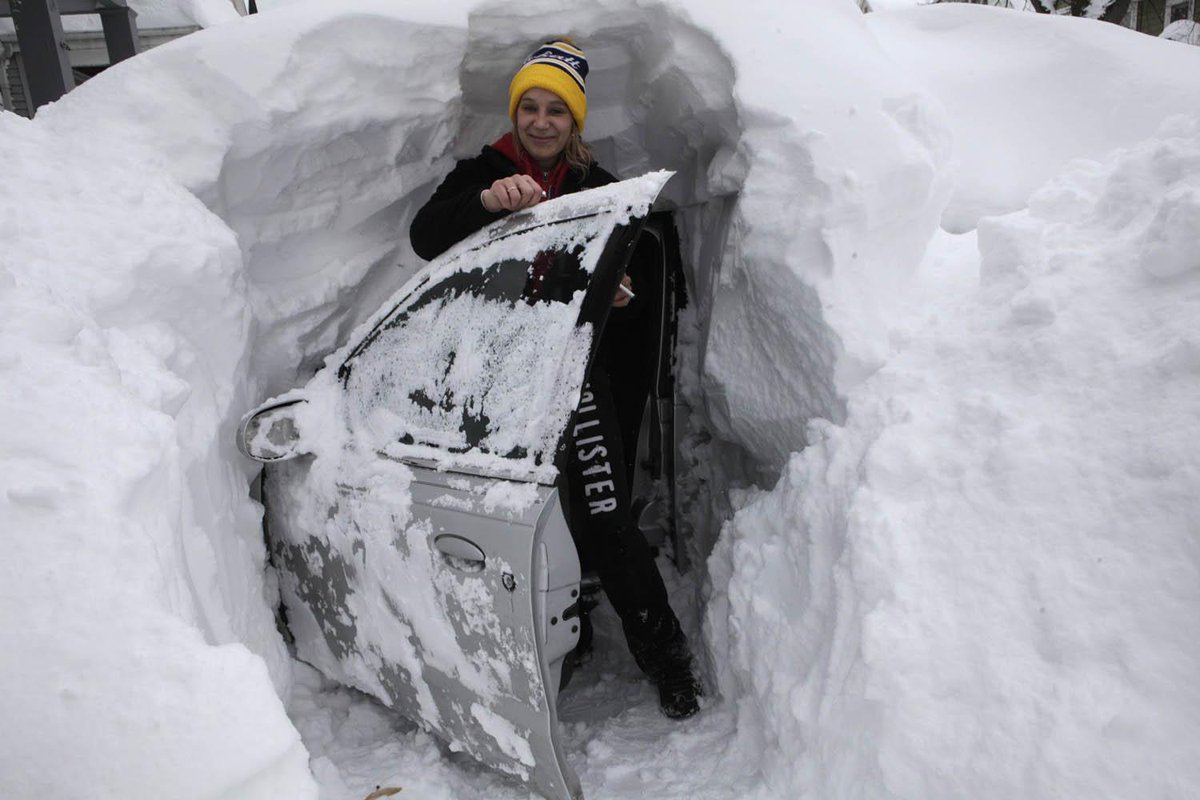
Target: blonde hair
577, 152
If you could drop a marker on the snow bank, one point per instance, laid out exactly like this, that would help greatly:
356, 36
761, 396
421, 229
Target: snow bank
134, 343
843, 185
123, 517
1026, 93
308, 151
989, 576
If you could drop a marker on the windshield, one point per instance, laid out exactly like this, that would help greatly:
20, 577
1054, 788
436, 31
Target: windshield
483, 359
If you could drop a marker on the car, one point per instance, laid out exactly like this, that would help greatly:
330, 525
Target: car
411, 488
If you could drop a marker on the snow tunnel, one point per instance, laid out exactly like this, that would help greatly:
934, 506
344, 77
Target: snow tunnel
661, 96
313, 206
321, 194
321, 197
803, 199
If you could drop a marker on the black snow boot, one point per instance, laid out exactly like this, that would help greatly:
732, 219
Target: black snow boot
664, 656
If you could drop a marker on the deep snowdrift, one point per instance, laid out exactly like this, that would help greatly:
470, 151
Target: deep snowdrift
916, 610
1023, 103
124, 329
989, 576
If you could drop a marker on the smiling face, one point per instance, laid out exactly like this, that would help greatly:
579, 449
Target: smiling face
544, 126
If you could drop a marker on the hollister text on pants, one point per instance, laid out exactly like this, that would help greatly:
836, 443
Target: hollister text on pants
592, 452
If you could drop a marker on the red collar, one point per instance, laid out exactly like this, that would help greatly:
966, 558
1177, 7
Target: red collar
551, 182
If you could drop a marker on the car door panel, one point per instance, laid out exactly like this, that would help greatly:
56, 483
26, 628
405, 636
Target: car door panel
470, 648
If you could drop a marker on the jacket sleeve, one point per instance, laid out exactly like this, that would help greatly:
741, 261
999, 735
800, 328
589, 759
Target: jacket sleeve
454, 212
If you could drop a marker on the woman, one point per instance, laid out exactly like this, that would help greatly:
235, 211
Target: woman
544, 157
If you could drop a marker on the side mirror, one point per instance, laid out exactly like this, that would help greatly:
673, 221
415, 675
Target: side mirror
270, 432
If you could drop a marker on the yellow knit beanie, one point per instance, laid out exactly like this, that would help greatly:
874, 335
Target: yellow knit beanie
558, 67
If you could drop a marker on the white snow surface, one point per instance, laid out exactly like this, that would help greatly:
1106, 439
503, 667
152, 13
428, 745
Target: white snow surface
1023, 104
992, 569
964, 556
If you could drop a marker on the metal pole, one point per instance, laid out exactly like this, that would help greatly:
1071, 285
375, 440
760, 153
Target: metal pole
43, 50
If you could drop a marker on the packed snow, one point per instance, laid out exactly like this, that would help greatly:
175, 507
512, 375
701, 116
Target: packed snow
1017, 106
941, 357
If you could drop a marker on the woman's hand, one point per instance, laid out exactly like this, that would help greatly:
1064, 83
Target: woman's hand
511, 194
621, 299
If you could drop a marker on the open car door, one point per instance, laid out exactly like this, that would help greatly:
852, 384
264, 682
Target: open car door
423, 552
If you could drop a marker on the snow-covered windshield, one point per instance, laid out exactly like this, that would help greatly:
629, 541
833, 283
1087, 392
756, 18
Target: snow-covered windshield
483, 359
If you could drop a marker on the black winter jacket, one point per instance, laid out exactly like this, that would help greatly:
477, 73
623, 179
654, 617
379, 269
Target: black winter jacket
455, 210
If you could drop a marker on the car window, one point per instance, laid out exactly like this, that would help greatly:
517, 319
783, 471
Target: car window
483, 359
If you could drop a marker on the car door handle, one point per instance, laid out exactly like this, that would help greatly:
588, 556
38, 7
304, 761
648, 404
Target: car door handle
461, 550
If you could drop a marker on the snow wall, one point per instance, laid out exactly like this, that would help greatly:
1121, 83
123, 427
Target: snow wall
237, 202
990, 573
1055, 88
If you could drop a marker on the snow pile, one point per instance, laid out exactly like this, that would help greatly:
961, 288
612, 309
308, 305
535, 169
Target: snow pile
844, 182
1026, 93
135, 342
127, 531
309, 151
989, 576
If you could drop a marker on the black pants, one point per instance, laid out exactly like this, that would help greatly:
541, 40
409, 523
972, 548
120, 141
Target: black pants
602, 525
